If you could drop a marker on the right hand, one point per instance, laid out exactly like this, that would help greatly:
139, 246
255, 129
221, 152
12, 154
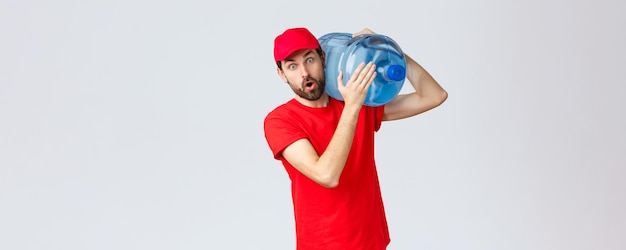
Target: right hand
355, 91
363, 32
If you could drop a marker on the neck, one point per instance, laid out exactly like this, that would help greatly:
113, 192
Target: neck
319, 103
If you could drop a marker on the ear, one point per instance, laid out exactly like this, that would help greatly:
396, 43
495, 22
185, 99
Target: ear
281, 74
323, 59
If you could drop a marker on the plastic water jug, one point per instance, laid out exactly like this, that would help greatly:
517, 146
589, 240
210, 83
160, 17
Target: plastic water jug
345, 53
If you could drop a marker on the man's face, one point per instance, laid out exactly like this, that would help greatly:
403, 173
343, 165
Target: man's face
304, 72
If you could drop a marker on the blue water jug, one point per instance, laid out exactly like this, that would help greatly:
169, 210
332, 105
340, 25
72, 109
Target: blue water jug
345, 53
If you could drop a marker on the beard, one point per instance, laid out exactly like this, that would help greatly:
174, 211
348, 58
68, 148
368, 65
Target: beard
315, 93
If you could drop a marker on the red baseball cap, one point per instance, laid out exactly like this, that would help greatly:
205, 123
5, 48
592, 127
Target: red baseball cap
292, 40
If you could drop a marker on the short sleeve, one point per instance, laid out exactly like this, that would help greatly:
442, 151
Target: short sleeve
378, 114
280, 132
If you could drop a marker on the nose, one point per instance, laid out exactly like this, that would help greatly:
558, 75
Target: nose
304, 72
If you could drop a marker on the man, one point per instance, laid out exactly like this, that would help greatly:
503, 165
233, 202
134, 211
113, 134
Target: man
327, 146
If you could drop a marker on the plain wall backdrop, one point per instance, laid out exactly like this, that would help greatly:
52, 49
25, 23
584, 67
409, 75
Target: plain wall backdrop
138, 124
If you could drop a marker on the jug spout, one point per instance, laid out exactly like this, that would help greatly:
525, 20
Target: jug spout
393, 72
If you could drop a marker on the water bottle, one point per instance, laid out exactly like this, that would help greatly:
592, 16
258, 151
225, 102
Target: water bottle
345, 53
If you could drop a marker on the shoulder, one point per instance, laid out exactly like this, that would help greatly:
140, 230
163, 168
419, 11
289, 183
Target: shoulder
280, 111
281, 115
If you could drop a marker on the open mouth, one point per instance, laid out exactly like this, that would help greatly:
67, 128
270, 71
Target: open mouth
309, 85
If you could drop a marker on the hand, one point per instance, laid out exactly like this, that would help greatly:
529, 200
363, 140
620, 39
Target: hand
363, 32
355, 91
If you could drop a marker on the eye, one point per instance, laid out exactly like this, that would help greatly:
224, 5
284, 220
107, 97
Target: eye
309, 60
291, 66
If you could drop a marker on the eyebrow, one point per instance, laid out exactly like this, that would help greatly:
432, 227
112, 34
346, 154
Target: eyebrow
305, 55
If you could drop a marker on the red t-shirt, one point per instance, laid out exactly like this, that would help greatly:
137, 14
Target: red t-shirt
351, 215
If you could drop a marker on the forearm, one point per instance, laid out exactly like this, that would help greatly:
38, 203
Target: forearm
333, 160
424, 84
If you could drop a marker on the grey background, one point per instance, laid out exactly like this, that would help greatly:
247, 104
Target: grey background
138, 124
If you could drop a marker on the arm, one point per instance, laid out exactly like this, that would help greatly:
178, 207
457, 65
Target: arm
326, 168
428, 94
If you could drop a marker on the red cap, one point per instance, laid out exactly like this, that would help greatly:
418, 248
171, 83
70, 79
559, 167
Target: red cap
292, 40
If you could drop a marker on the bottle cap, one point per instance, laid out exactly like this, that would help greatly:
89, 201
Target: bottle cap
396, 72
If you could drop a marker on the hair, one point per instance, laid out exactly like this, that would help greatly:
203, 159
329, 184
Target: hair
319, 51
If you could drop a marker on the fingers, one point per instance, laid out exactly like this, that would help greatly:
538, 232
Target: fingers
369, 77
363, 75
358, 72
362, 32
357, 87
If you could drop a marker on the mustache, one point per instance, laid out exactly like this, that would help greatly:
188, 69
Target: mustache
318, 82
308, 79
